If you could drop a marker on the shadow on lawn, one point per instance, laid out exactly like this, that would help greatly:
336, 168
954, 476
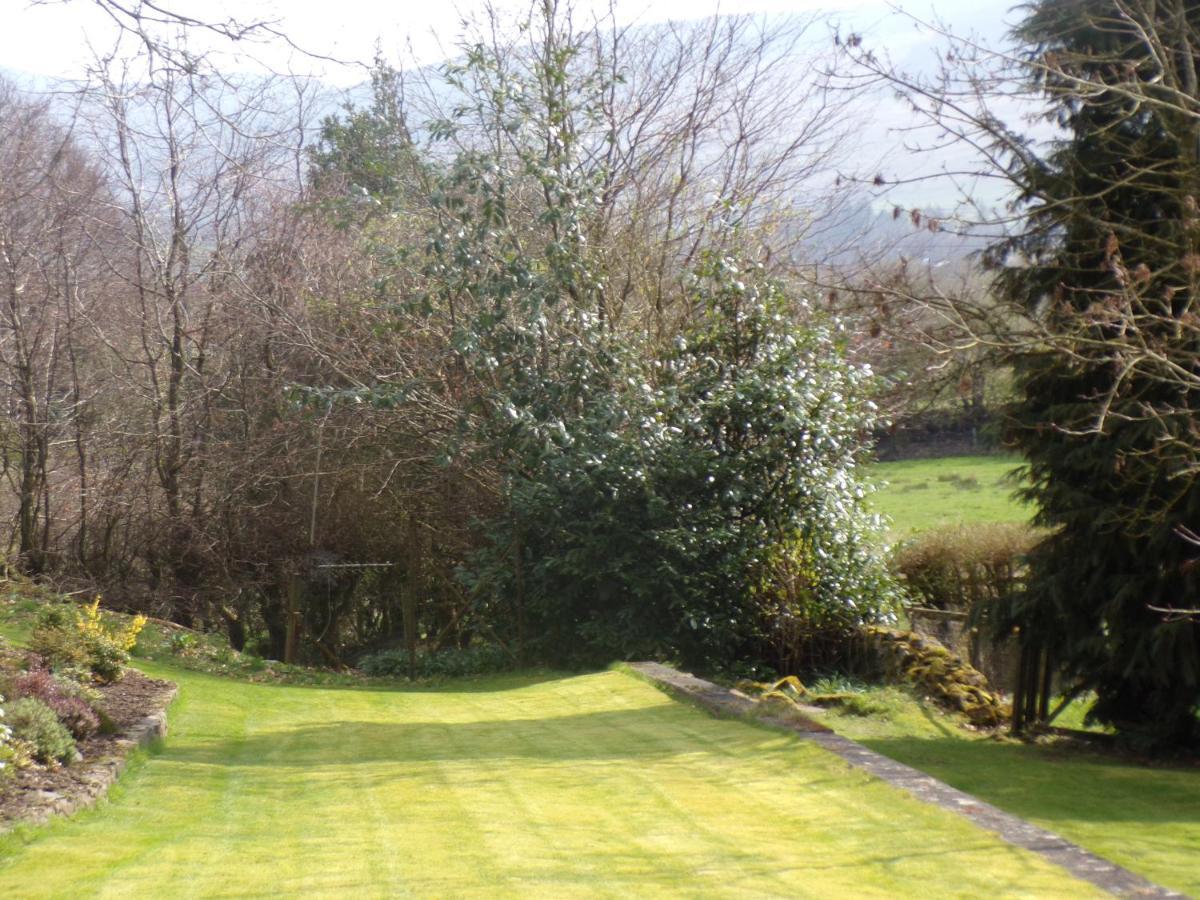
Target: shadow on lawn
643, 733
1044, 783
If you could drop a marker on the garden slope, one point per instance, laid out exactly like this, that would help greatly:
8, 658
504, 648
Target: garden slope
595, 785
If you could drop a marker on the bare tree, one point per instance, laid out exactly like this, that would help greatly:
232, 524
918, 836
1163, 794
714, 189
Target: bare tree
694, 136
52, 201
185, 152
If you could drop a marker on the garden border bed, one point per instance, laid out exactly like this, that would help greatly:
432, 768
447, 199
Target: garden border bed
28, 801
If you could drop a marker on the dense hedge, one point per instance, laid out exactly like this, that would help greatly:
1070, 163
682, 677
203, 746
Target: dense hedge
965, 568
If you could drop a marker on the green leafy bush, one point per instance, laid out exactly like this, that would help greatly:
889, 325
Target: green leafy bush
35, 723
645, 486
55, 639
106, 659
9, 751
183, 643
657, 516
484, 659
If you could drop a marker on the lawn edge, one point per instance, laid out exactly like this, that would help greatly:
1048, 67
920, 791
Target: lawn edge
1077, 861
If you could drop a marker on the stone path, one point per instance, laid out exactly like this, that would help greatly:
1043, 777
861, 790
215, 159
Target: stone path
1079, 862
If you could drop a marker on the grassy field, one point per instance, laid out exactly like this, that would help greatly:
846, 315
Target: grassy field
595, 785
920, 494
1146, 818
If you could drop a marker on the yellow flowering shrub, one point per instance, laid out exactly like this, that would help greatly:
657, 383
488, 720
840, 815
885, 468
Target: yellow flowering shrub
85, 640
90, 625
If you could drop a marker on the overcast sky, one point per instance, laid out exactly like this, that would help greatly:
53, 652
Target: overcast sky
56, 38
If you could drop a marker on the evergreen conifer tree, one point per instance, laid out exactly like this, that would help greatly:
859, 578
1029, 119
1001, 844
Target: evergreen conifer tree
1111, 244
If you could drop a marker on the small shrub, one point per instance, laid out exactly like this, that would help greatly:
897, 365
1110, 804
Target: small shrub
79, 718
53, 616
107, 660
803, 630
837, 684
65, 641
183, 643
864, 705
55, 640
78, 683
484, 659
72, 709
79, 680
108, 648
35, 723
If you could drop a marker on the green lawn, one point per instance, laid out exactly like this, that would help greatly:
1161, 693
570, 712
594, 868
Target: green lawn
1145, 818
920, 494
594, 785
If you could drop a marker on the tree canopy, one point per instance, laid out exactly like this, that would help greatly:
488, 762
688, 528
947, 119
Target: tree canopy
1108, 251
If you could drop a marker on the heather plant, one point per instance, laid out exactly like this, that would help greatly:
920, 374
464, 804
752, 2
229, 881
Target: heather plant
64, 698
35, 723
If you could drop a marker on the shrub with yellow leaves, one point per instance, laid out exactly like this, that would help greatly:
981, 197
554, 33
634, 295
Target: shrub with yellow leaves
88, 640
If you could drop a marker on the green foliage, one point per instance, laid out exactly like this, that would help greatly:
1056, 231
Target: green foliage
652, 520
645, 492
59, 645
836, 683
1109, 246
67, 639
482, 659
880, 704
65, 698
9, 751
106, 659
183, 643
35, 723
363, 155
